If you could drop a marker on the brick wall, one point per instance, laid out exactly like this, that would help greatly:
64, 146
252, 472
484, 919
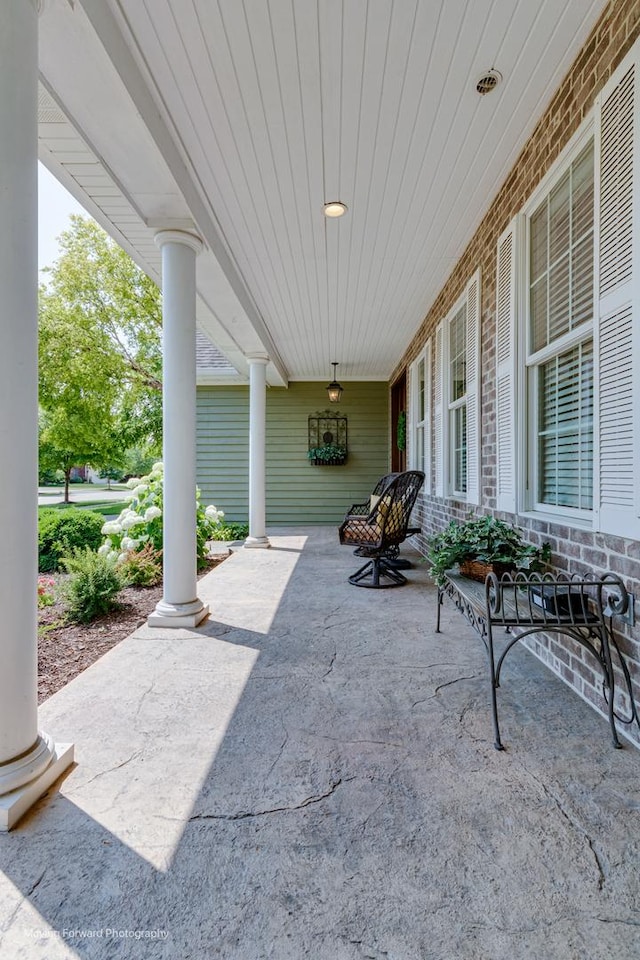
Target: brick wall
577, 551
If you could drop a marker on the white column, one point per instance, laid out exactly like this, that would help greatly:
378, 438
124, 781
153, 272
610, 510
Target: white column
180, 606
29, 760
257, 451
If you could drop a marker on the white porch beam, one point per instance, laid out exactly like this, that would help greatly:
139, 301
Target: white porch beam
29, 760
180, 606
257, 451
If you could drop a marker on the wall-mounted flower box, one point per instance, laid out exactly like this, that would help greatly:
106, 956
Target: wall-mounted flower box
327, 439
327, 456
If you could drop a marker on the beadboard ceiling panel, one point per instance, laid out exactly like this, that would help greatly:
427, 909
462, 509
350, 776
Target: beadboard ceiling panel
277, 106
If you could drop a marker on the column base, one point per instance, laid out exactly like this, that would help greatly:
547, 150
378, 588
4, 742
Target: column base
178, 614
257, 543
15, 804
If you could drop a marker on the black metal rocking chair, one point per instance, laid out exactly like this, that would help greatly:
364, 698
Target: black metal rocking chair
379, 532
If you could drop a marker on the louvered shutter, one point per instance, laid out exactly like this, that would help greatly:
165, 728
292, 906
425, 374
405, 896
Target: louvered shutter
473, 389
428, 431
438, 420
617, 340
505, 368
411, 418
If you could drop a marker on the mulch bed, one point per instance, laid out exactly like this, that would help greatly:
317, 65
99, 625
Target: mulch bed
66, 649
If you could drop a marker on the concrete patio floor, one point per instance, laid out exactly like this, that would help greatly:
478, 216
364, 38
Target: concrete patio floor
311, 774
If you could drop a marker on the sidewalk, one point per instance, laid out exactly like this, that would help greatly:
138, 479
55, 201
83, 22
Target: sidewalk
79, 493
311, 775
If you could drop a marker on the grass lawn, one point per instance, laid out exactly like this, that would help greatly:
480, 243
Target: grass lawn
107, 507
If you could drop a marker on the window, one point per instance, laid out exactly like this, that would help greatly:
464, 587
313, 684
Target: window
458, 401
559, 361
568, 328
421, 415
457, 410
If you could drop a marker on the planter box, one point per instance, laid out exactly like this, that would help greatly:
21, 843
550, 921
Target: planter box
559, 601
335, 462
478, 570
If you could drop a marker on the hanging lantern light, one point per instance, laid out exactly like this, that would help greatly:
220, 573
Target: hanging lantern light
334, 389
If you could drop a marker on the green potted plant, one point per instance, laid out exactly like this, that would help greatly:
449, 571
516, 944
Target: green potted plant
481, 545
330, 454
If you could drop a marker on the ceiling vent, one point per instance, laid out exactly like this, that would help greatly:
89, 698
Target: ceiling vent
488, 81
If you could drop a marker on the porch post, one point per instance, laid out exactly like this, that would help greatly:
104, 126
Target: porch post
29, 760
257, 451
180, 606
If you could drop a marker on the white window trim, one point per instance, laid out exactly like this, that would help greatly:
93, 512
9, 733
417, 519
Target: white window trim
472, 391
425, 424
525, 425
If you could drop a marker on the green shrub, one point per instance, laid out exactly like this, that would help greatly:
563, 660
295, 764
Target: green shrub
230, 531
142, 568
62, 531
93, 586
141, 522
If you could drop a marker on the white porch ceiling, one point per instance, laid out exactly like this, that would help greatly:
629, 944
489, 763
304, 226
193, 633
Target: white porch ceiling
245, 116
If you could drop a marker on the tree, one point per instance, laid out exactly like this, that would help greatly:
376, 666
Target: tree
121, 307
78, 386
100, 354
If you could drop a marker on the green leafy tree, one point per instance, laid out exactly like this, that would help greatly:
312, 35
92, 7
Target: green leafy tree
96, 282
100, 355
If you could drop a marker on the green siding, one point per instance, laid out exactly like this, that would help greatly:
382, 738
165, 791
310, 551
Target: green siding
297, 491
222, 453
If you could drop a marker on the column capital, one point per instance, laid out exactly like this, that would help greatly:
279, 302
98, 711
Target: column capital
178, 236
257, 358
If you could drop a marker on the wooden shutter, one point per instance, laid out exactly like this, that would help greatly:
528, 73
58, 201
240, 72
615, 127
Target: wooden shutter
506, 369
617, 340
473, 389
438, 419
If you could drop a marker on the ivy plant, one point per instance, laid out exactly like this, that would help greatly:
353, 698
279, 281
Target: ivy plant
486, 539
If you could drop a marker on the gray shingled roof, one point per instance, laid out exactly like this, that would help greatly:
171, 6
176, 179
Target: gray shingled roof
209, 357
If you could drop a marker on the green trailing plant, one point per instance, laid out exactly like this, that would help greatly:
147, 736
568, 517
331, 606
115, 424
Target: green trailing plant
93, 585
486, 539
328, 453
401, 432
61, 531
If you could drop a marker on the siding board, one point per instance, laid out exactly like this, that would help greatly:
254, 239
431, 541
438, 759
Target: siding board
297, 491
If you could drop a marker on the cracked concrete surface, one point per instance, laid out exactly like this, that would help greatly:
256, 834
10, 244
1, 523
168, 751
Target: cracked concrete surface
311, 775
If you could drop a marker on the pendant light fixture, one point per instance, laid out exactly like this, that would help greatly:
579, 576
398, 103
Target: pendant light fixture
334, 389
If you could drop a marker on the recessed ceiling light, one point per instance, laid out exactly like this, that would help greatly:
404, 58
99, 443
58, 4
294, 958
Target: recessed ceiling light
488, 81
335, 209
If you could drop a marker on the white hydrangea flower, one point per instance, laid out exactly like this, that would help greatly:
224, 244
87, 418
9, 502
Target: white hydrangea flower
128, 543
140, 490
121, 557
158, 467
104, 549
132, 520
151, 513
111, 527
213, 514
133, 482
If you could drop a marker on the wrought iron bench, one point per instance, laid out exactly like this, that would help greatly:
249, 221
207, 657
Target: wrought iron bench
578, 607
381, 529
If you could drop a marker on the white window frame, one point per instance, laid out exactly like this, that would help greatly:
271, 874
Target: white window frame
421, 426
526, 362
471, 298
451, 407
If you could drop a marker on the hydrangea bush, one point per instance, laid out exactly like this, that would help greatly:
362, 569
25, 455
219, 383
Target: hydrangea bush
140, 523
